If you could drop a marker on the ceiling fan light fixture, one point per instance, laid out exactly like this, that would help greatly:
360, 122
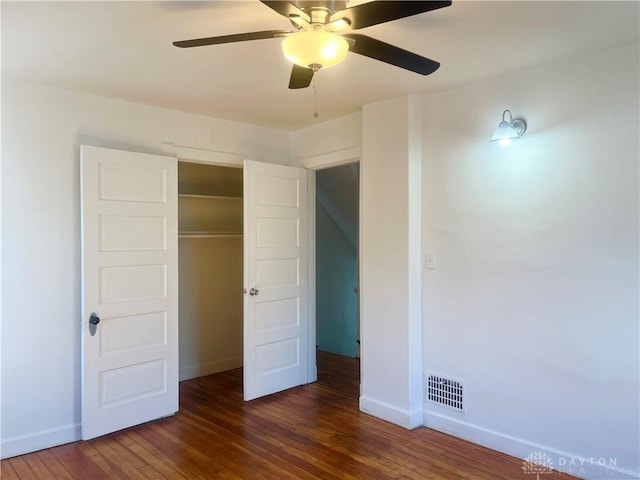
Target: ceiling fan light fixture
317, 48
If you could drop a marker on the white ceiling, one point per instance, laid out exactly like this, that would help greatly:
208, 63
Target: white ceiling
123, 50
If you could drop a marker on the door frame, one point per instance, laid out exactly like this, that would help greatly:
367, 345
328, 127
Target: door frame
311, 164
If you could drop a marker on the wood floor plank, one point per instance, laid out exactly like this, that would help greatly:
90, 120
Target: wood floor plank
21, 466
39, 469
7, 472
53, 467
245, 433
79, 466
190, 461
313, 432
151, 473
111, 470
166, 466
223, 467
115, 451
113, 464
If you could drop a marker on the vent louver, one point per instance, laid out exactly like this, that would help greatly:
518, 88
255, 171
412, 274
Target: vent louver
446, 392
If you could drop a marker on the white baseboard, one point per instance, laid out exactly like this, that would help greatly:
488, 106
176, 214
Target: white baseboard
195, 371
582, 467
12, 447
404, 418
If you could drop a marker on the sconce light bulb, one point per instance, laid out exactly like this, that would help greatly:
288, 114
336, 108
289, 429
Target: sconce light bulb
505, 142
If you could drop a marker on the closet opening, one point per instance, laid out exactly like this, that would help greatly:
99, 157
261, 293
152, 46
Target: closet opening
210, 253
337, 254
211, 256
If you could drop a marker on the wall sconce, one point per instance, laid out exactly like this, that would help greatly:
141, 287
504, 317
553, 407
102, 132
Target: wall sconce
509, 130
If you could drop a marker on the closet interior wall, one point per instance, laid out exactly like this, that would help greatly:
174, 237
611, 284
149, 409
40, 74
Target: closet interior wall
210, 258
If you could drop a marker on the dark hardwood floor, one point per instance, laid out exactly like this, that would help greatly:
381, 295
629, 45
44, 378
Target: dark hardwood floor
309, 432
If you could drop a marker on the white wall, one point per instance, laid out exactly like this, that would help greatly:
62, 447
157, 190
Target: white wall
42, 130
210, 282
534, 301
390, 261
328, 143
386, 138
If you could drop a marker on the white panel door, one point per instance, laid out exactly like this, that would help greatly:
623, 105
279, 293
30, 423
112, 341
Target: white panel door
275, 270
130, 287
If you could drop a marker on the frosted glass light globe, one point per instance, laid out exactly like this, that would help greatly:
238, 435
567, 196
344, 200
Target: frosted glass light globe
315, 48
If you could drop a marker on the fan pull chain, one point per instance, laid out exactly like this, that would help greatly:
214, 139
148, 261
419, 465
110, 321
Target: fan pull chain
315, 101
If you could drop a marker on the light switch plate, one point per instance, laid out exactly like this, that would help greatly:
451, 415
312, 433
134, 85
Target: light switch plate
430, 260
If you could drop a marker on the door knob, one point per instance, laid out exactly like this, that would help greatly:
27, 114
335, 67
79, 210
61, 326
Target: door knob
253, 292
94, 320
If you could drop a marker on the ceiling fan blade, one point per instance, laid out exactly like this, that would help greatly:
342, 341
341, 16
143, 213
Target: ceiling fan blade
285, 9
373, 13
378, 50
238, 37
300, 77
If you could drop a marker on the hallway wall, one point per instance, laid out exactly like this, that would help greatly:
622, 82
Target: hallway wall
336, 277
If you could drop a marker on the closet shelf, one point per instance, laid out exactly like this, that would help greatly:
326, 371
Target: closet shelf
208, 234
208, 197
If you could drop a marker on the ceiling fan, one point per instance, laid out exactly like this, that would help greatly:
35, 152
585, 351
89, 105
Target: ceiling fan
323, 35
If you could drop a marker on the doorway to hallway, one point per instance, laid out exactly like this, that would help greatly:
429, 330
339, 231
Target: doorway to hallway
337, 305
